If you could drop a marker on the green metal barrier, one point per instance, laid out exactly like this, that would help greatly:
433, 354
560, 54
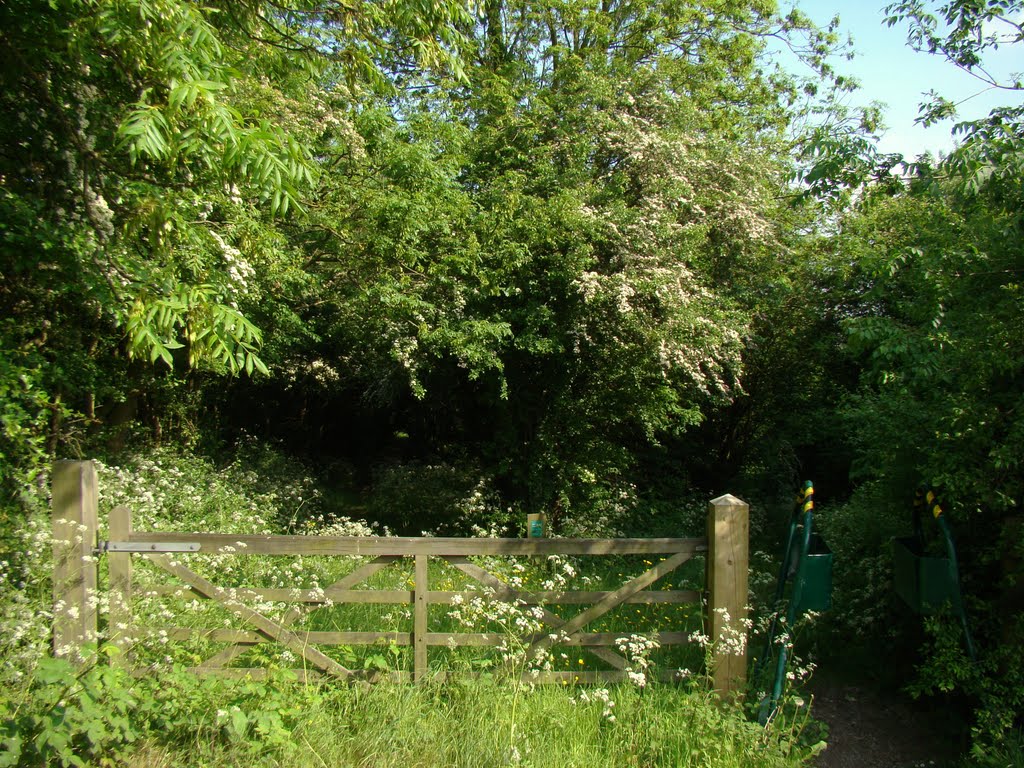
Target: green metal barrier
927, 583
808, 561
816, 590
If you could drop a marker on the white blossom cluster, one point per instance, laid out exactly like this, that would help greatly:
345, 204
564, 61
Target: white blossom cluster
689, 188
517, 624
25, 613
600, 697
240, 271
732, 637
637, 649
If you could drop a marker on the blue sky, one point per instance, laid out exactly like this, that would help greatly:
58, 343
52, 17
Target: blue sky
892, 73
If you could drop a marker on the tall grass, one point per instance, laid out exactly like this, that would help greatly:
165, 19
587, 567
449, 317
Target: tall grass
475, 725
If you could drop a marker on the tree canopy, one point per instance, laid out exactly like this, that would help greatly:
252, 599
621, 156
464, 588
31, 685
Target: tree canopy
583, 256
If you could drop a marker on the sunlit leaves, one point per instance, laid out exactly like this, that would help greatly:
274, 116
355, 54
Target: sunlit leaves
215, 335
961, 30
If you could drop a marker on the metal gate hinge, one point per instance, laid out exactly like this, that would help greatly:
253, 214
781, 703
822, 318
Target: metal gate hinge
146, 547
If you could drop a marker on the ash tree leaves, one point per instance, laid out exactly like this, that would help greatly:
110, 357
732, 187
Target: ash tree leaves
213, 334
184, 120
154, 137
962, 31
155, 154
184, 130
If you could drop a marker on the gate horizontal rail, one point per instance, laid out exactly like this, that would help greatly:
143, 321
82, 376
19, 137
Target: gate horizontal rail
223, 543
448, 639
389, 596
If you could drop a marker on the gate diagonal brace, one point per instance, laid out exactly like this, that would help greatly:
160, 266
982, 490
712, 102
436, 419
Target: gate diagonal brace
616, 598
265, 626
553, 620
502, 590
226, 656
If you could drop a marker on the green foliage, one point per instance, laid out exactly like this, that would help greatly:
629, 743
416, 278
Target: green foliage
212, 332
663, 726
859, 532
960, 31
250, 717
99, 714
936, 332
544, 257
73, 717
943, 404
941, 349
993, 683
1008, 752
25, 412
157, 150
412, 498
548, 236
190, 721
258, 490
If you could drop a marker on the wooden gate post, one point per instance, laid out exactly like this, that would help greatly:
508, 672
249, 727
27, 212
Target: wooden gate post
75, 595
119, 566
419, 637
727, 562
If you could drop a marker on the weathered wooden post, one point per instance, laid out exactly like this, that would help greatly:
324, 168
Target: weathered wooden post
727, 562
419, 637
75, 595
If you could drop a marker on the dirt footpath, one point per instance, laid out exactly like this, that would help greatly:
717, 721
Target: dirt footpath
869, 730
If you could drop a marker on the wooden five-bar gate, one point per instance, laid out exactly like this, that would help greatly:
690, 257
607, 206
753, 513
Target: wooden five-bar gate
77, 549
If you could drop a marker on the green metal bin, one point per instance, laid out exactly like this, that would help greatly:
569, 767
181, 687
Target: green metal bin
816, 586
924, 582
